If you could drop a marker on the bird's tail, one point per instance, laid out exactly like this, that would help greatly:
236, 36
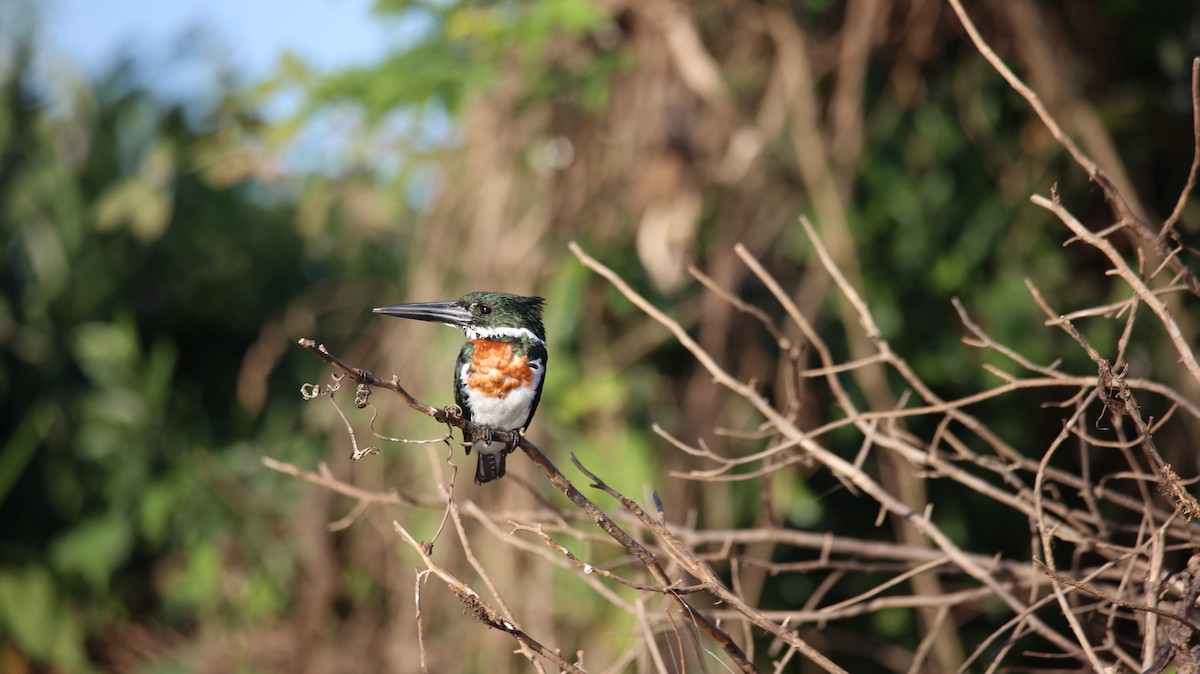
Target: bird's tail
490, 467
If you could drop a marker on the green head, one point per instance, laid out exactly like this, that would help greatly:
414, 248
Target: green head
486, 315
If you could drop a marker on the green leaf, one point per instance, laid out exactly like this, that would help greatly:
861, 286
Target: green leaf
431, 72
144, 201
157, 503
27, 608
197, 585
94, 549
107, 352
45, 629
23, 443
598, 392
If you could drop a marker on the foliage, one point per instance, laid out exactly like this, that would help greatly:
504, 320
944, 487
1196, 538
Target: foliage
161, 259
132, 285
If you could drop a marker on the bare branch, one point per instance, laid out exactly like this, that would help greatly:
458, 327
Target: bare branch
480, 609
1177, 212
453, 417
1115, 199
1121, 267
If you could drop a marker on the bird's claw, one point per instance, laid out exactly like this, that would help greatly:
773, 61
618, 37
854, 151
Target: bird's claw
514, 440
480, 434
487, 435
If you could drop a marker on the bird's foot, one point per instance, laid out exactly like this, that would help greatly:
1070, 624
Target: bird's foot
514, 440
486, 435
483, 435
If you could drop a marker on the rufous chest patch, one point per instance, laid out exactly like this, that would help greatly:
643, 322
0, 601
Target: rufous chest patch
496, 369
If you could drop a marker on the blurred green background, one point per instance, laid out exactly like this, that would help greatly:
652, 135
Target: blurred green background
164, 247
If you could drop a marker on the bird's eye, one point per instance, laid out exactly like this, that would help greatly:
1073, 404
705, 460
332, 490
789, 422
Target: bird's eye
484, 309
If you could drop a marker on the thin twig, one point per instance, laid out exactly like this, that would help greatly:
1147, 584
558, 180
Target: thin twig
834, 462
480, 609
452, 415
685, 557
326, 480
420, 577
1097, 175
1121, 267
1186, 192
1096, 592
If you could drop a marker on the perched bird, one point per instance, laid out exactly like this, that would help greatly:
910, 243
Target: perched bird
500, 370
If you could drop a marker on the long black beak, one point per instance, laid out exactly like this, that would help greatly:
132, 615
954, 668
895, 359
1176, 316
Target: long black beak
448, 313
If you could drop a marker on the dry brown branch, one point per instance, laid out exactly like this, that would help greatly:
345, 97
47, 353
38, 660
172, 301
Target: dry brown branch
588, 569
1045, 532
759, 315
420, 578
324, 479
1116, 199
826, 614
1054, 519
1131, 277
480, 609
1186, 192
1096, 592
593, 580
983, 340
1074, 517
694, 566
793, 383
832, 461
453, 417
506, 611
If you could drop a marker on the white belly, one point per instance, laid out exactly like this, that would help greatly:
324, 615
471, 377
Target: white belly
501, 413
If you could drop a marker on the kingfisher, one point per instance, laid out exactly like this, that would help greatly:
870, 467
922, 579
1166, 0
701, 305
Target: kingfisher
500, 370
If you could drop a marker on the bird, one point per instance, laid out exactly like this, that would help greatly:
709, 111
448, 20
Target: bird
500, 370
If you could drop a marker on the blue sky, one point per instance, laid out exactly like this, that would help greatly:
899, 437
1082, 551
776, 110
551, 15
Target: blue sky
248, 34
181, 46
